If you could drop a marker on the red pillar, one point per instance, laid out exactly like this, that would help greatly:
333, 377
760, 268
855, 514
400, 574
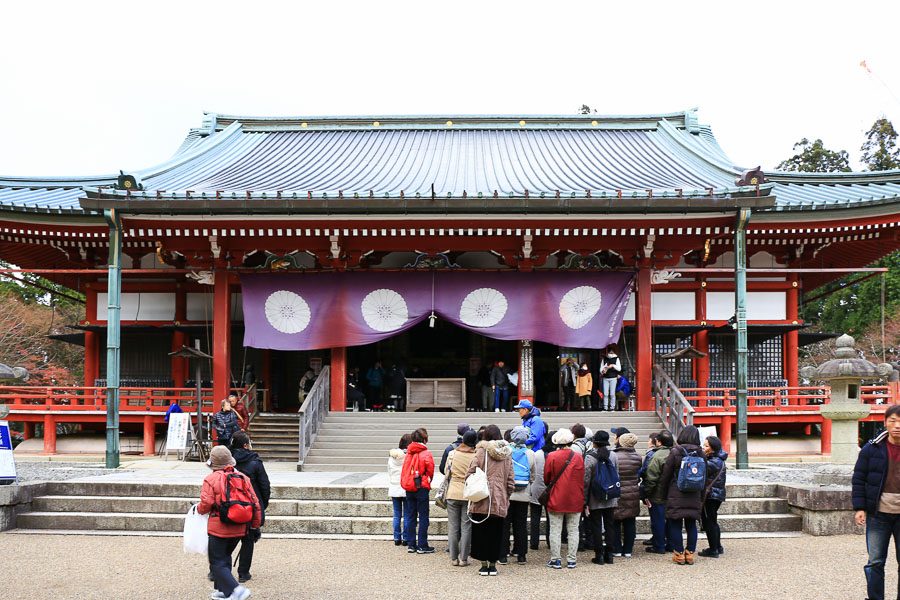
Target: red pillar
221, 337
27, 430
179, 338
339, 379
149, 436
725, 433
91, 339
49, 434
791, 340
644, 375
826, 436
701, 338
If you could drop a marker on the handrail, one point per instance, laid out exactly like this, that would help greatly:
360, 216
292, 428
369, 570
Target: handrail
249, 400
74, 399
673, 409
312, 412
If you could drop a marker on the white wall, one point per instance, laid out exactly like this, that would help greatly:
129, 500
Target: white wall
145, 306
200, 307
761, 306
672, 306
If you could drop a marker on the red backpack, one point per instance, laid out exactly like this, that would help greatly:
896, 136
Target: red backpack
410, 477
237, 506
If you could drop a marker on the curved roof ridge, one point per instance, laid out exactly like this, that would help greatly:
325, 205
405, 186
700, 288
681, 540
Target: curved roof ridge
686, 119
717, 159
196, 150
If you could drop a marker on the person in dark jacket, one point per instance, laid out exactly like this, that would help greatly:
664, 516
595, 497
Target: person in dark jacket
225, 423
249, 463
397, 388
656, 493
629, 506
682, 508
714, 495
652, 443
461, 429
500, 386
876, 498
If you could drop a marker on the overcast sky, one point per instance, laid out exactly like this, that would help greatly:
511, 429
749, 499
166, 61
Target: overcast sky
89, 88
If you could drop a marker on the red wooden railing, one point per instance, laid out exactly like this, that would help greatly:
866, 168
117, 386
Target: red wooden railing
794, 398
77, 399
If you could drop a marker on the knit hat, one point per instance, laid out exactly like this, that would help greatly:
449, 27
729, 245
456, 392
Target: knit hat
470, 438
462, 428
563, 437
601, 438
627, 440
519, 435
220, 458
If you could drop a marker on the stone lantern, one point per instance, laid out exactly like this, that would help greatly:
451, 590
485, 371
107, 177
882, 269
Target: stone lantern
845, 374
11, 375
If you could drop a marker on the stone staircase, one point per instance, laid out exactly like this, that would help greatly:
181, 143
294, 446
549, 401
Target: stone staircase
276, 437
321, 511
359, 442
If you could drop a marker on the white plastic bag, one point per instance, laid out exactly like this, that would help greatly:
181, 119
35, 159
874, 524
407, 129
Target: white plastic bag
196, 538
477, 488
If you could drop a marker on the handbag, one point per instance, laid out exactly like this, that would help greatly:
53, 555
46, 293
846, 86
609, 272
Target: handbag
440, 498
544, 498
196, 538
477, 489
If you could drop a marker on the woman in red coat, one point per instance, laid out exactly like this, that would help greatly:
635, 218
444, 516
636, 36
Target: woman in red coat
224, 537
418, 470
564, 470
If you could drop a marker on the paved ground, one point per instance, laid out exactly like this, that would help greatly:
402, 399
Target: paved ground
89, 567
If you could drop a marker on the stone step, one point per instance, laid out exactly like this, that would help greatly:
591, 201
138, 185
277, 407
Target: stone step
324, 508
332, 525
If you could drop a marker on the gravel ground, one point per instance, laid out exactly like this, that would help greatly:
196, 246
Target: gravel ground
58, 471
92, 567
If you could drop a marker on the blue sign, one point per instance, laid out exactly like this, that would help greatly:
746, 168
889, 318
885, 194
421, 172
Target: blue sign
5, 439
7, 461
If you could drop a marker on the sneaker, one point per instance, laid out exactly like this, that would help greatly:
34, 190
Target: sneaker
425, 550
496, 410
239, 593
554, 564
617, 554
570, 564
244, 578
463, 563
217, 595
455, 562
521, 560
404, 543
627, 555
397, 542
484, 571
503, 561
411, 550
492, 571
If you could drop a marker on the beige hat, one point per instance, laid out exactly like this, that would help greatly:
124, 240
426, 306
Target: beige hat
220, 458
563, 437
627, 440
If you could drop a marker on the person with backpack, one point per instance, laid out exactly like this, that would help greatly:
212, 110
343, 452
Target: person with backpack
656, 494
248, 462
602, 490
584, 383
714, 495
418, 471
564, 476
684, 479
628, 463
609, 373
493, 455
458, 524
396, 458
460, 430
523, 463
228, 498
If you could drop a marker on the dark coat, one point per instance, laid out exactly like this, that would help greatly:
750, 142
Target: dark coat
225, 424
715, 482
500, 377
680, 505
870, 473
629, 463
249, 463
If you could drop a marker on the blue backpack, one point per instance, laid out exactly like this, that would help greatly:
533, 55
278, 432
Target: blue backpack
521, 468
692, 474
605, 484
623, 386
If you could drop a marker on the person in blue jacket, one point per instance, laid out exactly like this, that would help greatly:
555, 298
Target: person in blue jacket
876, 499
531, 420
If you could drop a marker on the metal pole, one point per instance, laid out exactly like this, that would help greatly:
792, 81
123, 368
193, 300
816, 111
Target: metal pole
199, 384
740, 312
113, 336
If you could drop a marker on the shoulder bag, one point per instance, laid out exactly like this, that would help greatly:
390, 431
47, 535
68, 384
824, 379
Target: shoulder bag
544, 498
477, 489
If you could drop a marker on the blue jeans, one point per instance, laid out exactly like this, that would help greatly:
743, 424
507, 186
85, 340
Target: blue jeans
501, 393
660, 536
416, 507
879, 529
399, 523
674, 528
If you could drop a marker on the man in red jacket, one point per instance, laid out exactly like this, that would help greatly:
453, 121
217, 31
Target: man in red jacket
224, 536
564, 475
415, 478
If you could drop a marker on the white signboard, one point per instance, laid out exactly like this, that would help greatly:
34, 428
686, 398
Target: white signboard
7, 462
176, 437
706, 431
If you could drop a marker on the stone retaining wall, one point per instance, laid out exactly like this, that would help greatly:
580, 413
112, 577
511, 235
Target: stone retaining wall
826, 510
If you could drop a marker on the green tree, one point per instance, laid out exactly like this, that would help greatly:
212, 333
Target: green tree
814, 157
880, 151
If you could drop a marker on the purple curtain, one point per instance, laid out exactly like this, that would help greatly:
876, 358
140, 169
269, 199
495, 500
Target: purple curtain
298, 311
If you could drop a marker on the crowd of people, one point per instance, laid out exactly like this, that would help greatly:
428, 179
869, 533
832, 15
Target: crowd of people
498, 487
